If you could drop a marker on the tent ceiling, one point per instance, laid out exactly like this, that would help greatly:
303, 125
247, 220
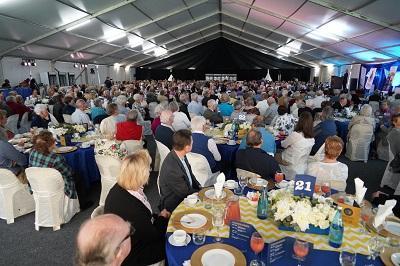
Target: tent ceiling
139, 32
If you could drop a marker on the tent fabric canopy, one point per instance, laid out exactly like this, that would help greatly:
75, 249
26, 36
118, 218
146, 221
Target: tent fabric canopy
139, 32
222, 55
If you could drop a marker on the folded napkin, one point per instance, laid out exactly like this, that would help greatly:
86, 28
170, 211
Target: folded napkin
221, 178
219, 185
360, 190
383, 212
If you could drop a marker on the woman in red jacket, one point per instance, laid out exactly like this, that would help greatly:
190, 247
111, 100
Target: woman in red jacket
129, 130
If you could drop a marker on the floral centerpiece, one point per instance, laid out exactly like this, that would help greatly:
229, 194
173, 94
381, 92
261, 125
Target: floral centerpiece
299, 213
243, 128
65, 129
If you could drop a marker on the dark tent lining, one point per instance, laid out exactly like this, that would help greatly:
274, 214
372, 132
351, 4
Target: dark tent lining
222, 56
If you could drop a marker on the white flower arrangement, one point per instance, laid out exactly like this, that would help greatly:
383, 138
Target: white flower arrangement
300, 213
59, 131
79, 128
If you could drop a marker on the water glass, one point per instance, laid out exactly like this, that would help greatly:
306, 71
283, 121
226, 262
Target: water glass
218, 215
199, 238
375, 246
238, 190
243, 182
207, 203
347, 258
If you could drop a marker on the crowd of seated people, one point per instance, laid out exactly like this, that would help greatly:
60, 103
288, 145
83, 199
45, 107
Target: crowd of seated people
179, 113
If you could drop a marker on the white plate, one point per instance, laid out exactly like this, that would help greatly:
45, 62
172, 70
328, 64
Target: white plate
395, 259
218, 257
230, 184
171, 240
211, 195
258, 181
392, 227
64, 149
195, 220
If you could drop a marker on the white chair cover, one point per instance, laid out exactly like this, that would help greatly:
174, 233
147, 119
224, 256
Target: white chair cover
98, 211
133, 145
374, 105
52, 206
163, 151
25, 125
109, 169
300, 167
67, 119
12, 123
201, 169
359, 141
318, 156
53, 120
389, 178
15, 199
51, 107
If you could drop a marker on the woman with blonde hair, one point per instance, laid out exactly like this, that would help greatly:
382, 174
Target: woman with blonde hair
127, 200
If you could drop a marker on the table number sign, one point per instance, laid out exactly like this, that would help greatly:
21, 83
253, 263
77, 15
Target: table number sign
304, 185
241, 231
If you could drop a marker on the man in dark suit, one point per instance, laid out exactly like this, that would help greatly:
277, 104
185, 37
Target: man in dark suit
164, 131
254, 159
177, 180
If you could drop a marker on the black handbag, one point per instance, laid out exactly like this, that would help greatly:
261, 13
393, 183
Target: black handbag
395, 164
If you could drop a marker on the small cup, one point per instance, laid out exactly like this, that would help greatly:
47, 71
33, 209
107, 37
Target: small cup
199, 238
179, 236
192, 199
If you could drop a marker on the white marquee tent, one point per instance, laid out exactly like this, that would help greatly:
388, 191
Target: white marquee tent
129, 32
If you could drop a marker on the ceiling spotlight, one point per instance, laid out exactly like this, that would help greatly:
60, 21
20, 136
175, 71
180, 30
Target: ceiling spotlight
76, 65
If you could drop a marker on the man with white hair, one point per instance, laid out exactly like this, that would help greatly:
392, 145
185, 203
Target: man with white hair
211, 112
42, 117
137, 104
194, 107
271, 111
164, 131
79, 116
204, 145
262, 105
103, 240
121, 102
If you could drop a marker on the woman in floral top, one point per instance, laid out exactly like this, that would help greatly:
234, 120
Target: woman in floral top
42, 155
284, 122
110, 148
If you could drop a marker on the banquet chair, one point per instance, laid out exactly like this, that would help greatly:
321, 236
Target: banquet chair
51, 107
15, 199
12, 123
359, 141
52, 206
96, 212
201, 169
25, 125
67, 119
318, 156
109, 169
163, 151
133, 145
245, 173
389, 178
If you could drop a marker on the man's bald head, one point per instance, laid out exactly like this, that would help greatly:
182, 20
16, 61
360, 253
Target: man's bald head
100, 241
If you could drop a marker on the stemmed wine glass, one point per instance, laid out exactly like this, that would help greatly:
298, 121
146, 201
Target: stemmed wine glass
218, 213
279, 177
243, 182
300, 250
375, 246
326, 188
257, 245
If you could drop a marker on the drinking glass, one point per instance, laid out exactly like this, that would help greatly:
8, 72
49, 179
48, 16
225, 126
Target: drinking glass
218, 213
375, 246
300, 250
257, 245
366, 213
199, 237
347, 258
278, 177
317, 188
243, 182
326, 189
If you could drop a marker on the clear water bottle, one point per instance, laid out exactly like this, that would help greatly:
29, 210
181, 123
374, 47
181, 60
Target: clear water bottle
336, 230
262, 207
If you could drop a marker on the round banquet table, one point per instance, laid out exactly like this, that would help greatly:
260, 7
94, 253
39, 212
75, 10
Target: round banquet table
322, 254
82, 161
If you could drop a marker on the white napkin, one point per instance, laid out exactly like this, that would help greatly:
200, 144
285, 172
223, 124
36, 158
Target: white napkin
186, 263
383, 212
221, 178
219, 185
360, 190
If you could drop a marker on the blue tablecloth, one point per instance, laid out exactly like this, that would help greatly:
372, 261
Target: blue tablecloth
82, 161
342, 128
24, 92
177, 255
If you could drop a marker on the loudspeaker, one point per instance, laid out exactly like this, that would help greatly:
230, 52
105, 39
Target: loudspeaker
353, 84
92, 71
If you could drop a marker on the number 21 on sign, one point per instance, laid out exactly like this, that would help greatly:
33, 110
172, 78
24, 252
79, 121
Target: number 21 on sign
304, 185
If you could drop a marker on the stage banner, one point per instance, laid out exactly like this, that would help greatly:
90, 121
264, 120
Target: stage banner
384, 77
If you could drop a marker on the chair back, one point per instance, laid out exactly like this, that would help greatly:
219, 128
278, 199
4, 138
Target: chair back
133, 145
15, 200
45, 181
67, 119
96, 212
163, 150
318, 156
25, 125
109, 168
200, 168
12, 123
358, 145
51, 108
245, 173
